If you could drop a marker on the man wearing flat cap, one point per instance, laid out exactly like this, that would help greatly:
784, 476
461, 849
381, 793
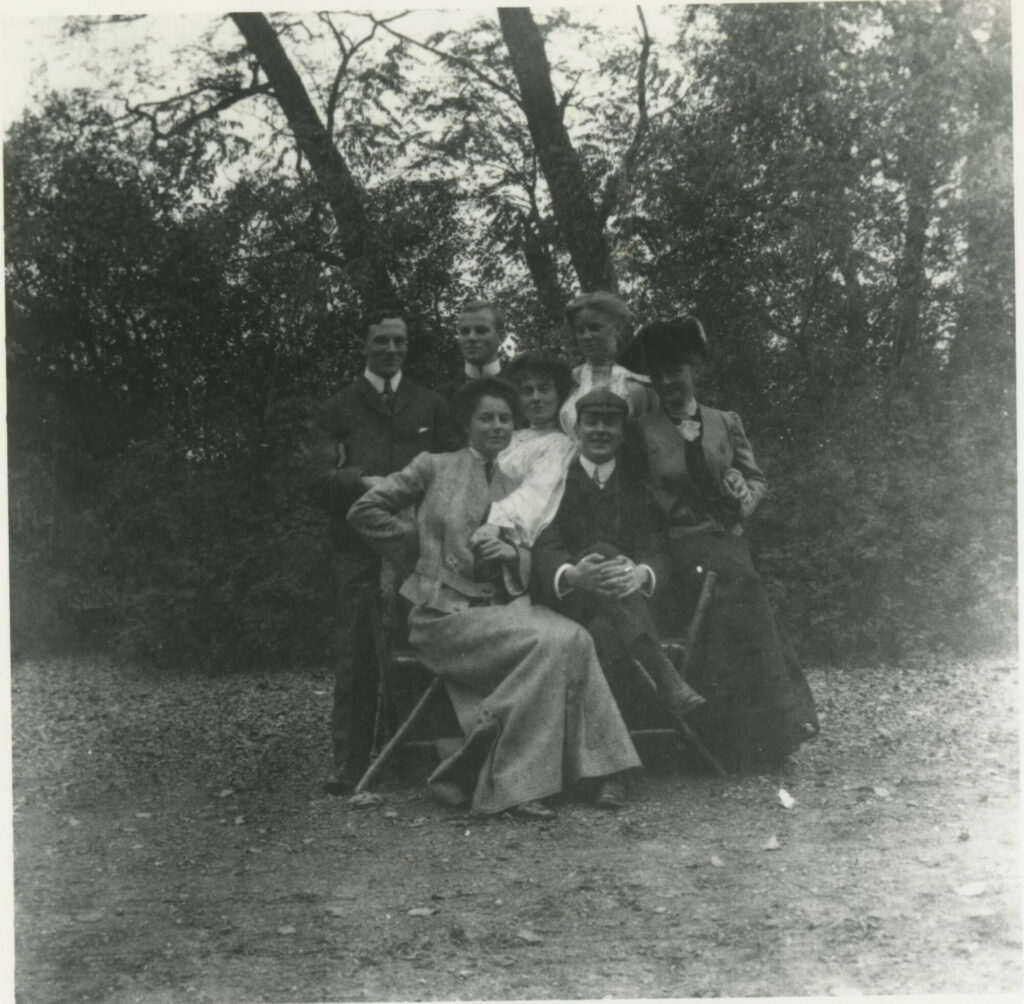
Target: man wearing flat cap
598, 561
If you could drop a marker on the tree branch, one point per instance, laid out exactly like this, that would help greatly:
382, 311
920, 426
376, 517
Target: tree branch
137, 112
618, 184
465, 64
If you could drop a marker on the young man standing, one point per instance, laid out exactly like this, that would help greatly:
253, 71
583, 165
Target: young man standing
371, 428
480, 330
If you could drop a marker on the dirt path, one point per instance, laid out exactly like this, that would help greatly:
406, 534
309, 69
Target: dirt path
170, 844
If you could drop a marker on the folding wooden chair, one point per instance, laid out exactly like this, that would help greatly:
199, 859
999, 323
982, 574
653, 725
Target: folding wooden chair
390, 659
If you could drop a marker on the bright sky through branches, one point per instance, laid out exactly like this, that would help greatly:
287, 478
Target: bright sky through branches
38, 56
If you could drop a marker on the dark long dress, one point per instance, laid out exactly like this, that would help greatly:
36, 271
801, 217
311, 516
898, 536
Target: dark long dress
759, 706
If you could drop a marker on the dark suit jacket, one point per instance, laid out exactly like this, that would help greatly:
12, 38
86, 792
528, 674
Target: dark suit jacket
355, 435
619, 514
675, 494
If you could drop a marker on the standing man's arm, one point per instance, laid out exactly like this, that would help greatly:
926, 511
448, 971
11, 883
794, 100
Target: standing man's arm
335, 484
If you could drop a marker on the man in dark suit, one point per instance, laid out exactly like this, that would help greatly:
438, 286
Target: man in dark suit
480, 330
599, 559
371, 428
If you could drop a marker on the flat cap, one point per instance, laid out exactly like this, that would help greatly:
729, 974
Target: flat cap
602, 399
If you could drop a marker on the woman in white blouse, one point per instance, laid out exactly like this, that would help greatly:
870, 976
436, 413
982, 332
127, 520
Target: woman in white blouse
538, 456
601, 322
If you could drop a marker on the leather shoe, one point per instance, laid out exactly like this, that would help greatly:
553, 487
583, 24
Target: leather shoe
344, 779
532, 810
613, 793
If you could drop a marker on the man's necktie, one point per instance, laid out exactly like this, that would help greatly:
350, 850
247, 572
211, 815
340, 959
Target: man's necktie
597, 479
488, 470
387, 395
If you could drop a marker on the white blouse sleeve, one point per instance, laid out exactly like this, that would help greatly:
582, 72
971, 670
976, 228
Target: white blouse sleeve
531, 506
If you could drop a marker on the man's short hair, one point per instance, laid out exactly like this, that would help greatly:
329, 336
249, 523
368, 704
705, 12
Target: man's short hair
496, 312
381, 313
470, 394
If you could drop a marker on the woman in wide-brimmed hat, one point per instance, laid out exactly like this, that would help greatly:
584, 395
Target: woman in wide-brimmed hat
705, 483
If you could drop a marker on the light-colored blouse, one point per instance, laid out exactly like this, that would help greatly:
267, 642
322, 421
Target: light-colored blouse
538, 461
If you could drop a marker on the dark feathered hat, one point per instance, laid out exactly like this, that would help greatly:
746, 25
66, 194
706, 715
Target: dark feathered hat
662, 345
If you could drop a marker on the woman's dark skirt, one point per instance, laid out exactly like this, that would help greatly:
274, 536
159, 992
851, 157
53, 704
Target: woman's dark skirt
759, 706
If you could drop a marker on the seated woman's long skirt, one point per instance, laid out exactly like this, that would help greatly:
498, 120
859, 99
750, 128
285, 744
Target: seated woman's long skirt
530, 697
759, 706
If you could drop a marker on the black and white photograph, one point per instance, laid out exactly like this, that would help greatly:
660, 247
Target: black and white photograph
511, 503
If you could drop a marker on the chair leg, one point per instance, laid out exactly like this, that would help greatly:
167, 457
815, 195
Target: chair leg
400, 733
689, 735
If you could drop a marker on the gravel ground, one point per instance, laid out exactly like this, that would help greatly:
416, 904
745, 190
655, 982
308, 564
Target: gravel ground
171, 844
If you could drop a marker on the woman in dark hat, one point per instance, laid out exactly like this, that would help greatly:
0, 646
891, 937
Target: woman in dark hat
705, 483
601, 323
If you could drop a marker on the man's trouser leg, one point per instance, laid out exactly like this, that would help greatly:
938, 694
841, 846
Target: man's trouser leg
628, 621
355, 667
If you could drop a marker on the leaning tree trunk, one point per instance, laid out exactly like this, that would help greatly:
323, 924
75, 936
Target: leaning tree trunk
574, 209
356, 232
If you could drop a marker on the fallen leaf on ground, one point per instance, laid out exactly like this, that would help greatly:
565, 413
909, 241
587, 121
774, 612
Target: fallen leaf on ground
287, 929
771, 844
880, 791
717, 861
530, 937
390, 814
365, 799
786, 800
336, 911
74, 822
971, 889
143, 815
224, 792
422, 911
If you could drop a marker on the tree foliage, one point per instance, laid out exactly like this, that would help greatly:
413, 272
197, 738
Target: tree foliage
828, 186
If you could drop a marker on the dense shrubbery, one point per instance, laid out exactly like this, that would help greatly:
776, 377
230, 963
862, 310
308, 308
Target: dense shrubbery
168, 332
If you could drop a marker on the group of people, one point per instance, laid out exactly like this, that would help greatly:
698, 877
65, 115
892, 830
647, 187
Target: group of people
550, 524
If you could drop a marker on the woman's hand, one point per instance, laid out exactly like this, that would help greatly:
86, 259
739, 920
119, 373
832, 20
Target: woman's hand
735, 486
486, 532
495, 549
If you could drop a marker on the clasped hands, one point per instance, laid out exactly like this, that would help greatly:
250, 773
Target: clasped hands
615, 578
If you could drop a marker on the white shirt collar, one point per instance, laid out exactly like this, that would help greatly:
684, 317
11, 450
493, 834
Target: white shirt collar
604, 471
492, 368
378, 381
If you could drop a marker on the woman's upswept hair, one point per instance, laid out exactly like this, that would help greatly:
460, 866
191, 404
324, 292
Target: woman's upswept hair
470, 395
545, 364
607, 303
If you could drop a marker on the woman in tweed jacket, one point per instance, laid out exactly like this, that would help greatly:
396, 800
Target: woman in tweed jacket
525, 682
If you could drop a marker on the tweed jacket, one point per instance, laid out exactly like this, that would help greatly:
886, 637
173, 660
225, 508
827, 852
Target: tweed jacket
673, 492
452, 497
356, 435
619, 514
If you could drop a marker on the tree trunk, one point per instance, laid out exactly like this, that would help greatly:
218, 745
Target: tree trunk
574, 209
543, 270
364, 257
913, 282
